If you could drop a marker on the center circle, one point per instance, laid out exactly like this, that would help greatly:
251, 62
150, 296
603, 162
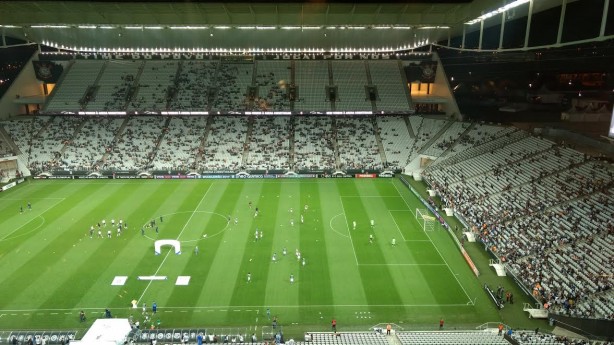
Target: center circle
202, 235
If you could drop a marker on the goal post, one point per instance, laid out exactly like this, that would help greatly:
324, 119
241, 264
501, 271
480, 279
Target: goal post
426, 221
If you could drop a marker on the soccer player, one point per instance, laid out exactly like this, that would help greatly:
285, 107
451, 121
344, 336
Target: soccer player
304, 262
91, 231
99, 234
196, 250
121, 223
154, 307
354, 225
256, 236
291, 278
372, 223
291, 210
298, 256
249, 277
20, 209
291, 222
284, 251
250, 205
144, 308
113, 222
142, 231
119, 231
157, 230
161, 219
302, 219
371, 239
274, 257
394, 242
109, 233
236, 220
29, 206
260, 234
104, 222
306, 207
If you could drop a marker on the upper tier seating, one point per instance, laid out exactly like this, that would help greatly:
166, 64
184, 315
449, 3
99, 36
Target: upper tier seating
193, 84
231, 86
311, 80
155, 80
390, 87
114, 86
68, 94
273, 80
350, 77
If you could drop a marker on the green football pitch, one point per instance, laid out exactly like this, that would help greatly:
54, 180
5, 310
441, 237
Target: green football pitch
50, 267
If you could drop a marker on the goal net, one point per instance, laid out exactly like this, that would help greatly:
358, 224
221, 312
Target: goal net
425, 219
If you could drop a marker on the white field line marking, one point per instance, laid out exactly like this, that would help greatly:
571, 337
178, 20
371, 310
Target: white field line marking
434, 246
370, 196
330, 223
26, 199
181, 232
225, 307
348, 226
28, 222
397, 225
401, 264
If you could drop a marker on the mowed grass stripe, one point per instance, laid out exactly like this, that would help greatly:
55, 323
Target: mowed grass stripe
110, 255
10, 202
345, 281
315, 286
218, 283
43, 249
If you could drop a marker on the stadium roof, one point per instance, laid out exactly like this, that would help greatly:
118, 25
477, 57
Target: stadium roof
301, 25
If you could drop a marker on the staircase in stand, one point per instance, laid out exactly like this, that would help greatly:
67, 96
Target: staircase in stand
335, 144
58, 84
118, 135
74, 135
154, 152
380, 145
203, 141
435, 137
291, 143
409, 129
248, 139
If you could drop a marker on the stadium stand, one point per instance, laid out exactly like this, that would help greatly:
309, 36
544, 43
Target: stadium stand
181, 144
153, 85
272, 80
348, 338
225, 144
269, 144
391, 90
311, 80
537, 205
314, 146
396, 140
350, 77
194, 85
89, 145
231, 85
358, 148
113, 89
135, 145
70, 94
452, 337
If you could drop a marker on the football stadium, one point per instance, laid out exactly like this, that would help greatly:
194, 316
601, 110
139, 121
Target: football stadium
307, 172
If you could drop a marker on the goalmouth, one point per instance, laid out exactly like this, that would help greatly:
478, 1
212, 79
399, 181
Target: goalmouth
426, 221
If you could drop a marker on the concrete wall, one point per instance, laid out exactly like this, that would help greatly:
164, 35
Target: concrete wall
25, 85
